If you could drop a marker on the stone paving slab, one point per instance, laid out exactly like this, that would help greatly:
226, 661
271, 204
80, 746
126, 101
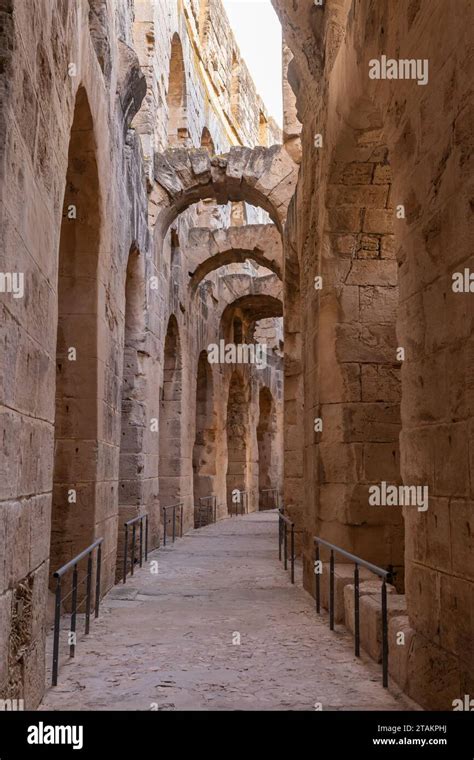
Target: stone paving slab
167, 641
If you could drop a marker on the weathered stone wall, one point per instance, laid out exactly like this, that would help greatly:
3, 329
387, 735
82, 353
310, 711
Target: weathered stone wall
105, 413
85, 375
417, 134
39, 108
220, 95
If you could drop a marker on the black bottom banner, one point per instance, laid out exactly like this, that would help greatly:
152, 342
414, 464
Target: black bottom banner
373, 734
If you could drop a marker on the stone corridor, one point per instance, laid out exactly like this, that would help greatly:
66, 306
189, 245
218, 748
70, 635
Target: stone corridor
165, 641
208, 308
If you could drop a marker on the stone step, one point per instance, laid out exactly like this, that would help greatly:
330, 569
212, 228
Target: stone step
370, 614
343, 575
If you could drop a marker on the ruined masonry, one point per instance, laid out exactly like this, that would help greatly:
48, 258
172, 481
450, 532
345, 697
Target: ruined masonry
155, 209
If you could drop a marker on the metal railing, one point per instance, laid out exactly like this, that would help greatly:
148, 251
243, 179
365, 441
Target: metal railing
133, 524
175, 509
60, 599
206, 511
386, 576
269, 498
242, 506
285, 524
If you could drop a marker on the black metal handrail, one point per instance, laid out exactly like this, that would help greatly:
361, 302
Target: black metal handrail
59, 599
271, 495
384, 574
242, 506
207, 506
175, 508
284, 523
140, 519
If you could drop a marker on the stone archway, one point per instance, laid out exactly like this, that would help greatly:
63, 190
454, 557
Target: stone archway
237, 432
204, 452
250, 308
131, 457
260, 176
359, 372
170, 428
212, 249
294, 405
268, 476
233, 256
76, 446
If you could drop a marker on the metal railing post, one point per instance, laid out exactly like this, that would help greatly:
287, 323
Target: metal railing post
143, 549
292, 549
89, 591
356, 611
331, 591
72, 646
384, 636
285, 545
141, 542
280, 522
97, 580
146, 537
132, 561
125, 555
384, 574
57, 622
318, 581
73, 564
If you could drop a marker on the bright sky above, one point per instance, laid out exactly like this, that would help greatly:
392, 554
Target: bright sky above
258, 34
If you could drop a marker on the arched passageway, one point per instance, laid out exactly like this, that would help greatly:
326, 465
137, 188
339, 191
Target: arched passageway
131, 497
73, 520
204, 453
264, 177
230, 257
268, 475
252, 307
170, 426
359, 369
211, 249
207, 142
80, 394
237, 432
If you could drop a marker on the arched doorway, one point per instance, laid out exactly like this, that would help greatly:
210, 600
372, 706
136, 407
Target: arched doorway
207, 142
131, 460
359, 371
170, 428
236, 431
76, 445
204, 454
268, 475
177, 96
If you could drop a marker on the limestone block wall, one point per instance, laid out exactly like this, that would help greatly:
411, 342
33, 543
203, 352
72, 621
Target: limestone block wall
53, 94
418, 134
218, 93
87, 385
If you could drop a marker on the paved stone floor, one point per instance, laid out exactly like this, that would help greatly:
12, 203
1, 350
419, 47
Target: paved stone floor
166, 641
